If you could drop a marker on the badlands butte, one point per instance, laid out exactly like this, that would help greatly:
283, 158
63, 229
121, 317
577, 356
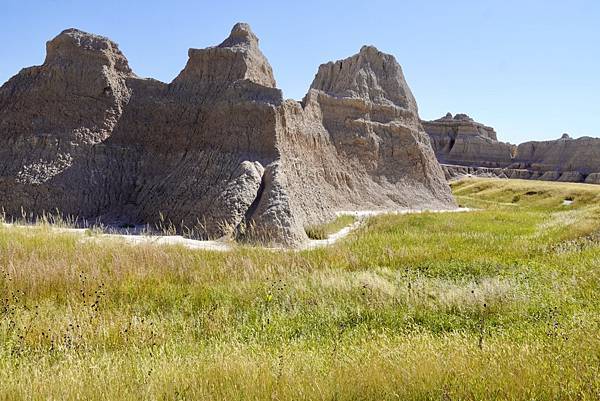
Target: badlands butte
465, 147
219, 153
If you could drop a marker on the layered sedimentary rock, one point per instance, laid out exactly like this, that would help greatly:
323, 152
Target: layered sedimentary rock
565, 154
54, 121
453, 172
217, 151
465, 147
462, 141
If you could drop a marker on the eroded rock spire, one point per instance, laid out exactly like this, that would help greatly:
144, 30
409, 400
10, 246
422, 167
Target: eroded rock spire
217, 152
237, 58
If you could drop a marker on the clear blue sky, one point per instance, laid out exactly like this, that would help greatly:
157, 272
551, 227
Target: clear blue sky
531, 68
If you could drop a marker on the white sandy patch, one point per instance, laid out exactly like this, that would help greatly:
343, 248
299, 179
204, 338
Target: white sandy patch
170, 240
223, 246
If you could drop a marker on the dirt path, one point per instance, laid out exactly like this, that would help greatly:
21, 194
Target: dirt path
223, 246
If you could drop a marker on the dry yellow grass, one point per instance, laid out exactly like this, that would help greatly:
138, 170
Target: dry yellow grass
500, 303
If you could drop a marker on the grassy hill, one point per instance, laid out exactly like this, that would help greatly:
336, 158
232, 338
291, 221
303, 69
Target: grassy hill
499, 303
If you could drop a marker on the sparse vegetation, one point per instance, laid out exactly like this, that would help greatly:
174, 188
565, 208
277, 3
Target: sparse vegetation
323, 231
500, 303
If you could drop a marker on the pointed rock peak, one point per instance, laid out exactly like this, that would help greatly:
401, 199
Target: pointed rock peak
462, 117
241, 35
369, 50
370, 54
237, 58
74, 44
371, 75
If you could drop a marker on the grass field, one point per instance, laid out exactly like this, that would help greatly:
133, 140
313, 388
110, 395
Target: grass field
500, 303
323, 231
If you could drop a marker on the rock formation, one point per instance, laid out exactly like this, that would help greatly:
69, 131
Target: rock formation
465, 147
460, 140
216, 152
580, 155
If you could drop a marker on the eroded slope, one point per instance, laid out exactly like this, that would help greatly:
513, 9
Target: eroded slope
216, 152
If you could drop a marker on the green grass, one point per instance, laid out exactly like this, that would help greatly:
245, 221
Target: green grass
499, 303
323, 231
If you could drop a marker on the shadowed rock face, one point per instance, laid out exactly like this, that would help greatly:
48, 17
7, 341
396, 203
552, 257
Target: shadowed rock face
54, 120
217, 151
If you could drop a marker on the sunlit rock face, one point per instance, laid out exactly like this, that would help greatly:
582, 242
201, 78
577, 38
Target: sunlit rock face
462, 141
216, 152
465, 147
565, 154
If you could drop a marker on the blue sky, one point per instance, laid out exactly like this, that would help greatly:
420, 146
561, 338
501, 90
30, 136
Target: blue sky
531, 69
